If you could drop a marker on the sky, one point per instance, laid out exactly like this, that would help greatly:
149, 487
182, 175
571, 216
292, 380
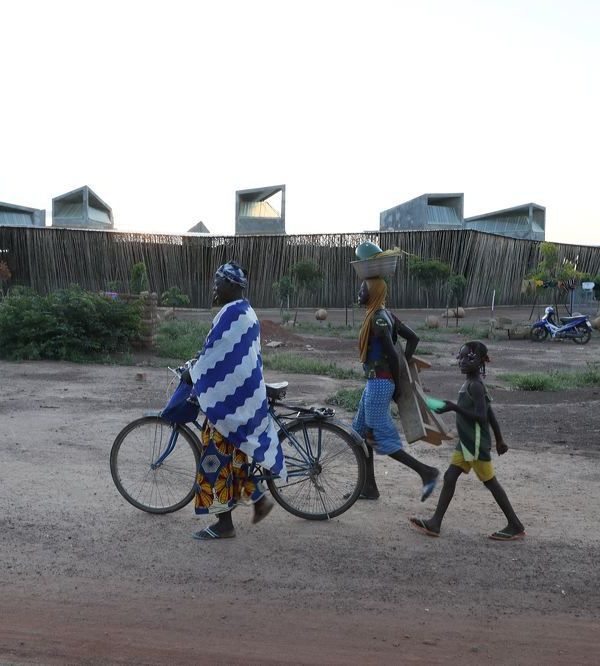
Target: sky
165, 109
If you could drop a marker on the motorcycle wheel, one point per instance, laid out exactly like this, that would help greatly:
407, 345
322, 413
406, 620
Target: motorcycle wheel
584, 335
538, 334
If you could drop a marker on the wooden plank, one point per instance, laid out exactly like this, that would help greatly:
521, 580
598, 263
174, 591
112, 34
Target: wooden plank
408, 407
414, 373
432, 418
420, 363
433, 436
434, 424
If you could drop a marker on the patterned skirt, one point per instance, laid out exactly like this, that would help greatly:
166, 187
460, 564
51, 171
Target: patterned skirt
374, 415
222, 478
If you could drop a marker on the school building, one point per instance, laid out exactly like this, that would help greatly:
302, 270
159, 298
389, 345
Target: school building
433, 211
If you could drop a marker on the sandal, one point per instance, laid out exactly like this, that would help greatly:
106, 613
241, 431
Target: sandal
420, 525
501, 535
429, 487
208, 534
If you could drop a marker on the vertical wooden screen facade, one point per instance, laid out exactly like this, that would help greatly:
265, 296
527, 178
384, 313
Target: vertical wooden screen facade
47, 259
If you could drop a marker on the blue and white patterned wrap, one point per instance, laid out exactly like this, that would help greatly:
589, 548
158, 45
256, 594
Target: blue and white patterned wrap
229, 385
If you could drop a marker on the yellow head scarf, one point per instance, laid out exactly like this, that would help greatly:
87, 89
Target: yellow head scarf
377, 293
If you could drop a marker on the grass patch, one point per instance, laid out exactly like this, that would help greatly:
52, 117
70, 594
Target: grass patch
431, 334
300, 365
554, 380
329, 330
431, 337
180, 339
346, 398
124, 358
350, 333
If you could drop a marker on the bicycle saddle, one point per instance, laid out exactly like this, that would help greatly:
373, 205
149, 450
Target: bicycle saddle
276, 391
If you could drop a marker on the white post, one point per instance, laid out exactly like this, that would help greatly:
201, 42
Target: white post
493, 299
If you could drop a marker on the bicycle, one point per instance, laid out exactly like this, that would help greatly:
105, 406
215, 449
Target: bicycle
153, 462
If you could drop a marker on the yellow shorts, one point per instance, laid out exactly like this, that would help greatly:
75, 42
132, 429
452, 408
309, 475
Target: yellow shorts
483, 468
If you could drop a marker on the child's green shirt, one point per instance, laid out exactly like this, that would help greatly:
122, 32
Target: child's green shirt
475, 441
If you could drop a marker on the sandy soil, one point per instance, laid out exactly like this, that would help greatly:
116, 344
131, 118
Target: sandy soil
88, 579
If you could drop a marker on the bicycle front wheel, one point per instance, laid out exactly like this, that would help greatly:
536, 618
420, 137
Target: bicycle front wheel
326, 471
153, 465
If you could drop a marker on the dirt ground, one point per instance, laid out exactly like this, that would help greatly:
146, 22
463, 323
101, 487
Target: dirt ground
88, 579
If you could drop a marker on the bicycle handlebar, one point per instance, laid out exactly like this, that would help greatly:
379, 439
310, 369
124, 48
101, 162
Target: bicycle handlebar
183, 371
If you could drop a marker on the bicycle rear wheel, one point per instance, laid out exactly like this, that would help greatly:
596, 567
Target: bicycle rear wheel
326, 471
153, 465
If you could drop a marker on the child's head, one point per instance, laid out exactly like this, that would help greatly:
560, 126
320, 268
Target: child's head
472, 357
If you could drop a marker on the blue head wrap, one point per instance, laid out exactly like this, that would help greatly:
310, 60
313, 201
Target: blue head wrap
234, 273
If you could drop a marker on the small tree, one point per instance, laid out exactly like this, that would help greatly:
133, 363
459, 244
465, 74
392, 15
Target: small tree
139, 278
457, 285
5, 276
551, 270
174, 298
596, 281
306, 277
115, 286
550, 273
429, 273
284, 288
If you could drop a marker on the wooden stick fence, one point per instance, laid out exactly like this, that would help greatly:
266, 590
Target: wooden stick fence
49, 259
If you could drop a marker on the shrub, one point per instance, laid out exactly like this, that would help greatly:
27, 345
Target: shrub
69, 324
174, 298
346, 398
180, 340
429, 273
115, 286
139, 278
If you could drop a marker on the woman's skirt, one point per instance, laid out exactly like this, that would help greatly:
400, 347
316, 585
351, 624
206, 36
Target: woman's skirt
222, 478
373, 420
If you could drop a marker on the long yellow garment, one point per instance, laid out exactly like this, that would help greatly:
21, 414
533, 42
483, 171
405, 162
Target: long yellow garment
377, 293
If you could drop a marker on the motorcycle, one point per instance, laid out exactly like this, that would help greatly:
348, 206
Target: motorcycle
577, 328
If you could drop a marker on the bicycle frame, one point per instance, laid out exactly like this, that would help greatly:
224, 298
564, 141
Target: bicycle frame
165, 454
285, 422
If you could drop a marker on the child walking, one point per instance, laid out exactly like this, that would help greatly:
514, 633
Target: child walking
474, 416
